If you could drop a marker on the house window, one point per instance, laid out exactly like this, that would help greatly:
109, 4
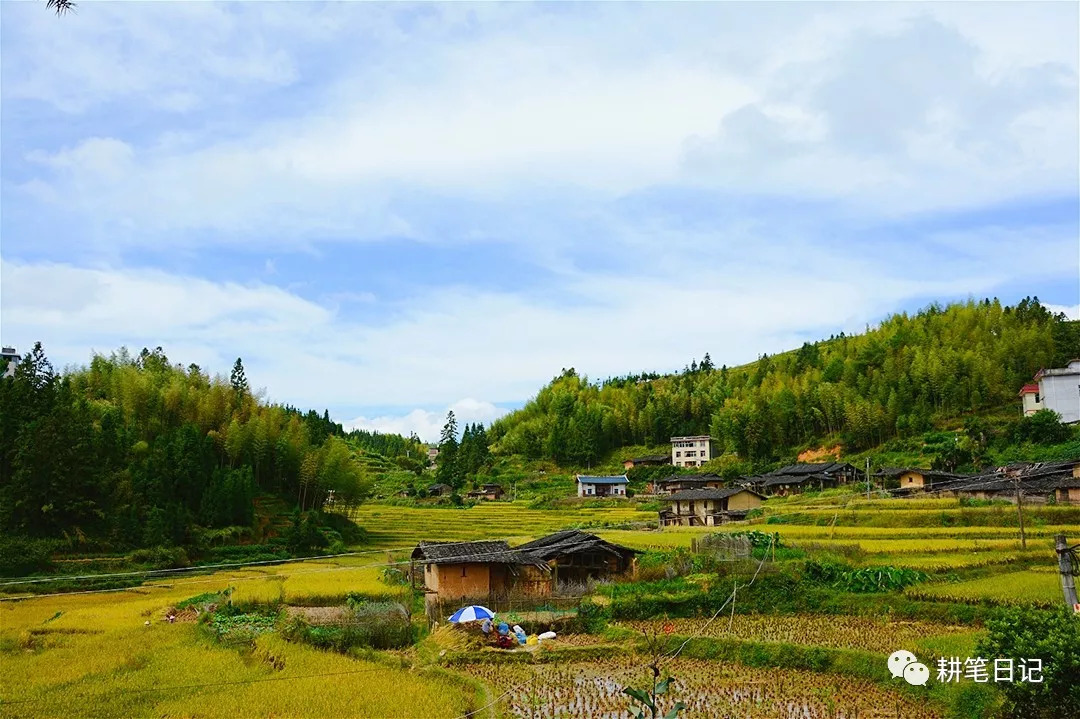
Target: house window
678, 454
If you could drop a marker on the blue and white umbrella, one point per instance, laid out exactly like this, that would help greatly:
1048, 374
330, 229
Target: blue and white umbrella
472, 613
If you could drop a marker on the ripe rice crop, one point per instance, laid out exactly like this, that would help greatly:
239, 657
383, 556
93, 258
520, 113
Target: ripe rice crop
1019, 588
115, 666
709, 689
837, 632
951, 560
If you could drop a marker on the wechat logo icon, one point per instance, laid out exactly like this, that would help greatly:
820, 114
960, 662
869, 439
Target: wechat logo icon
905, 664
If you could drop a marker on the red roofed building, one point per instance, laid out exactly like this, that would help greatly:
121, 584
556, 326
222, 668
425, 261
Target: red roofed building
1030, 399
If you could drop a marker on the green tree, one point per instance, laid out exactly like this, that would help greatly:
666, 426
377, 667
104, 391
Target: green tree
448, 470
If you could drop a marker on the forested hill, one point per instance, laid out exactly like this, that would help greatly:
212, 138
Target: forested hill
900, 378
135, 451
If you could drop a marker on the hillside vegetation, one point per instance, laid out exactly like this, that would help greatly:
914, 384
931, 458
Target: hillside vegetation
903, 378
135, 451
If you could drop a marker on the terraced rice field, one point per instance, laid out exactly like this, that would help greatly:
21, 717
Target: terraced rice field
709, 689
401, 527
1037, 588
837, 632
875, 541
93, 656
314, 583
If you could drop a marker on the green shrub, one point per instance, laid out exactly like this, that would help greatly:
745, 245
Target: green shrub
161, 557
21, 555
1053, 637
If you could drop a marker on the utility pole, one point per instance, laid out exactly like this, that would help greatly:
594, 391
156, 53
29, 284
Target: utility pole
1065, 568
868, 478
1020, 513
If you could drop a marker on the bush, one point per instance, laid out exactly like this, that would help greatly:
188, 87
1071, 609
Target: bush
21, 555
161, 557
591, 617
1053, 637
1043, 427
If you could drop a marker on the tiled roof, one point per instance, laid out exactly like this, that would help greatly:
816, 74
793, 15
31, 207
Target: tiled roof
571, 541
585, 479
483, 552
694, 494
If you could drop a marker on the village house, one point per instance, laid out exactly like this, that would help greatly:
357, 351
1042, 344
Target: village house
440, 490
692, 451
576, 557
609, 486
652, 460
677, 483
1055, 389
798, 478
915, 479
708, 507
784, 485
460, 571
490, 492
12, 357
432, 453
489, 570
1038, 482
1030, 401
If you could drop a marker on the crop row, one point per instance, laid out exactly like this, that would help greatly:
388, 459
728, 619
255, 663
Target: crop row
837, 632
1033, 588
708, 689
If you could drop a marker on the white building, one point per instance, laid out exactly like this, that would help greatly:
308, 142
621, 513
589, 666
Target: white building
691, 451
602, 486
1059, 390
13, 358
1030, 399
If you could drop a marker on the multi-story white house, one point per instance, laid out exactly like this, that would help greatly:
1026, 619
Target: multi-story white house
1056, 389
691, 451
13, 358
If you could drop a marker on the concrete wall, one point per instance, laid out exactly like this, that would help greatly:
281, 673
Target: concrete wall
1030, 404
702, 450
1061, 393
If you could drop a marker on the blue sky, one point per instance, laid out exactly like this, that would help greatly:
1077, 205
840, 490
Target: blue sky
388, 210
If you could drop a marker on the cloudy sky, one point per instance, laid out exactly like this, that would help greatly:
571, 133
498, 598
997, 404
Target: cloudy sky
389, 210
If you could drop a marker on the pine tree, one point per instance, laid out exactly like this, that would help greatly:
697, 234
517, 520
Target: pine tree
238, 379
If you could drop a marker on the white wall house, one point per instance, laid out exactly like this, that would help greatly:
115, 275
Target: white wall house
1030, 399
691, 451
601, 486
13, 358
1059, 390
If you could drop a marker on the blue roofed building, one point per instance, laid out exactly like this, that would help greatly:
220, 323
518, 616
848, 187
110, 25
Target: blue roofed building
614, 486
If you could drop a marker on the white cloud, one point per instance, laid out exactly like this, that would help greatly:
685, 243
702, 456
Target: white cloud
428, 425
1070, 311
895, 108
500, 347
